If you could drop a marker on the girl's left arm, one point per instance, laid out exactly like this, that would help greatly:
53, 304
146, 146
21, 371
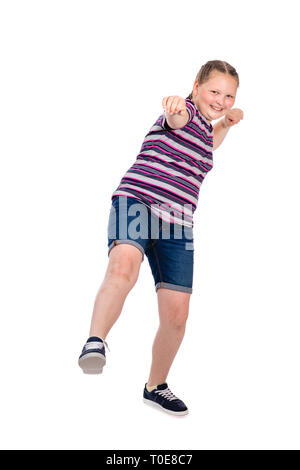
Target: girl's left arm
232, 117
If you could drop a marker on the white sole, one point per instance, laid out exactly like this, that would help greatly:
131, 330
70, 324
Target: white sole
159, 407
92, 363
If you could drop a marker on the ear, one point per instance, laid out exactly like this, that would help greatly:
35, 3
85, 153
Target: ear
195, 87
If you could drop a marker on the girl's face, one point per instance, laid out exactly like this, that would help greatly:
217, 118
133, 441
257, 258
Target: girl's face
214, 97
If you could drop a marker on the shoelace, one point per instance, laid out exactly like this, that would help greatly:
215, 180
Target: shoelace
167, 394
95, 345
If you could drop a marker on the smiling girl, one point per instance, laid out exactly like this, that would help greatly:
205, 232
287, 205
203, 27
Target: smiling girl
163, 186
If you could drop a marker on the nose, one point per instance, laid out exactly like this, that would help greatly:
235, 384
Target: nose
220, 103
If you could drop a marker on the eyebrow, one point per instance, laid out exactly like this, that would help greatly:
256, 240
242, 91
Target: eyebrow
221, 92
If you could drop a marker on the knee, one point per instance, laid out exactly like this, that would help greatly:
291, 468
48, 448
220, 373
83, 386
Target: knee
124, 272
176, 318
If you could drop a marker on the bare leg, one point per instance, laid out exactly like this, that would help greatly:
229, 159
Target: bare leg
173, 312
121, 275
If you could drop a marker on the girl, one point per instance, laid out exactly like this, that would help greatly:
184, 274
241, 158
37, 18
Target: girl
163, 187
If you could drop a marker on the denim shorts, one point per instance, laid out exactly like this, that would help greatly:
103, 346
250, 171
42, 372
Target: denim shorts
169, 247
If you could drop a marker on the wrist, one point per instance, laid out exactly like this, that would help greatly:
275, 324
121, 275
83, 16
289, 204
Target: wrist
223, 122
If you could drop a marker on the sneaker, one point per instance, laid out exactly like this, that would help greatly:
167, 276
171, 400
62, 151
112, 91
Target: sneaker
163, 398
92, 359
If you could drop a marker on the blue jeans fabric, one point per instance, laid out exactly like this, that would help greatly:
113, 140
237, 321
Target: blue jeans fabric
168, 247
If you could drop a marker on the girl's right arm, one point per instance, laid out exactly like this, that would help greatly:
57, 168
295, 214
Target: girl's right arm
175, 110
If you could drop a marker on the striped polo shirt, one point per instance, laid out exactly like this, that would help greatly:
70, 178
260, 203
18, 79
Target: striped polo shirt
170, 168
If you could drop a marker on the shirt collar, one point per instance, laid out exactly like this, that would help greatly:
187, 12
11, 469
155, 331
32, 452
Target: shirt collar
207, 122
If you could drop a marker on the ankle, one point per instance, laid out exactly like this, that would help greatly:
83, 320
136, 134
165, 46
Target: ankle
96, 337
150, 387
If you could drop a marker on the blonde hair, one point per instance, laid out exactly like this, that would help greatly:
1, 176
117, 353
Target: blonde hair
214, 65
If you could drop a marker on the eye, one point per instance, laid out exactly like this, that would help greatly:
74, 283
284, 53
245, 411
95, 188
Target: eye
213, 91
230, 96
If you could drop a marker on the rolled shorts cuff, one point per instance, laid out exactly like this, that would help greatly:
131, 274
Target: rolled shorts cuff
128, 242
167, 285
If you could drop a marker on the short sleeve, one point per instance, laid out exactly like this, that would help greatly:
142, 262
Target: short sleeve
191, 109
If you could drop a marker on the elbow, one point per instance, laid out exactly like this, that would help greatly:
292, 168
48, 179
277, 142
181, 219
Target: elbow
216, 144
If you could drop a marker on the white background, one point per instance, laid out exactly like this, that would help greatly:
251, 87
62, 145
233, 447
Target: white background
81, 84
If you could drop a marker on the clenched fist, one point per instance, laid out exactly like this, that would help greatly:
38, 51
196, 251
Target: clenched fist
174, 105
233, 116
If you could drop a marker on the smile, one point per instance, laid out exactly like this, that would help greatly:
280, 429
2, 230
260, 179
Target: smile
216, 109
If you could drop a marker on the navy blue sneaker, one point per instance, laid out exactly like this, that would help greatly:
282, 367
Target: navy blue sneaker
162, 397
92, 359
